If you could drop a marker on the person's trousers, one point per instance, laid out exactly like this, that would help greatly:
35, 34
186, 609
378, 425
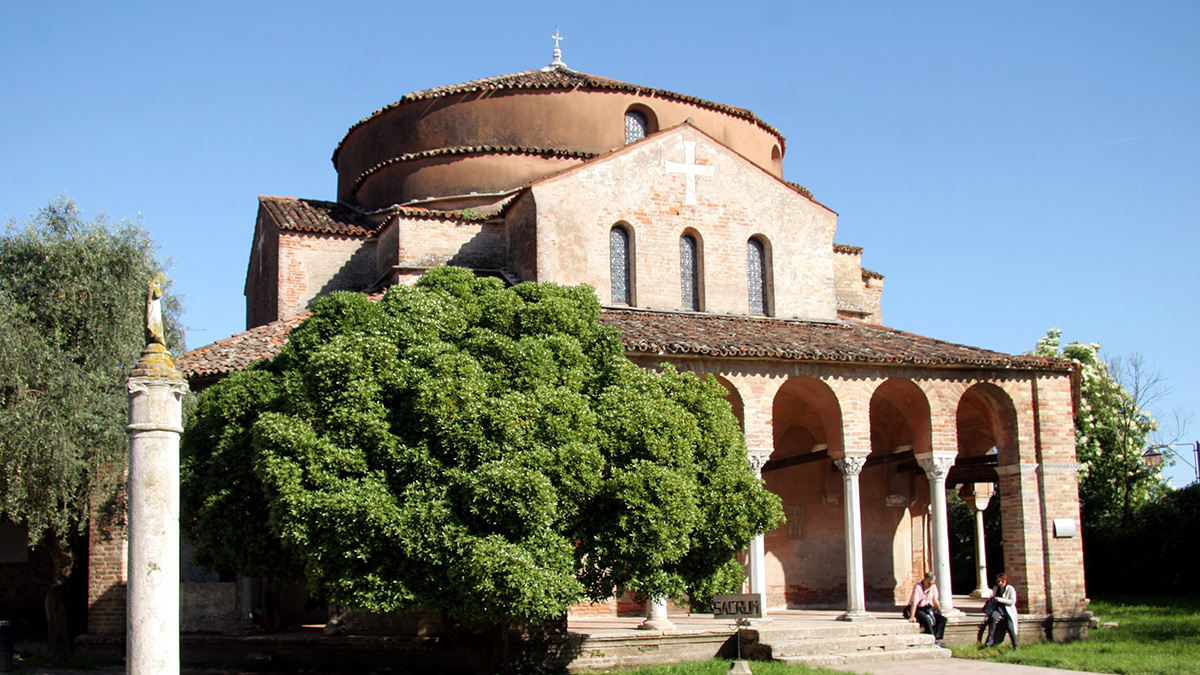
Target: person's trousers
997, 626
932, 621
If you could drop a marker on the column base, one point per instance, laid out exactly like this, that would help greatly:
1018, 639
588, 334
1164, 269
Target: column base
856, 615
981, 593
657, 623
953, 612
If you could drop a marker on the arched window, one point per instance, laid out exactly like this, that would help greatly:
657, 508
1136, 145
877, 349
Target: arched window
689, 272
619, 266
756, 275
636, 126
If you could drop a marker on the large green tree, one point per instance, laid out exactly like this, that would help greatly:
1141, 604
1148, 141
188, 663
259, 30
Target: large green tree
1113, 427
72, 308
463, 447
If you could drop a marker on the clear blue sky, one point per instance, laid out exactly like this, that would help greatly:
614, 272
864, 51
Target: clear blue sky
1009, 166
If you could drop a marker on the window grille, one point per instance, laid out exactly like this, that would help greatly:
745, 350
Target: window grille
688, 278
756, 272
618, 259
635, 126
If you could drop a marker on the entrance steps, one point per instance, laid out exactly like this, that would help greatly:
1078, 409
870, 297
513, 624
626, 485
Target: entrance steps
838, 643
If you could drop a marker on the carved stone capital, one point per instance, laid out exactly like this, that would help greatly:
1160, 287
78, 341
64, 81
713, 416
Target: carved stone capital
757, 462
936, 467
850, 466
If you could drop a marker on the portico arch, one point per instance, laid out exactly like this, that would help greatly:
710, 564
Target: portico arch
893, 491
806, 554
989, 459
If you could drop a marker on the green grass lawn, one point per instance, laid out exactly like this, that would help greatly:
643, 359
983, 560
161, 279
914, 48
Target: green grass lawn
1157, 635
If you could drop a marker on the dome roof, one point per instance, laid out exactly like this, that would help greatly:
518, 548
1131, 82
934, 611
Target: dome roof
499, 133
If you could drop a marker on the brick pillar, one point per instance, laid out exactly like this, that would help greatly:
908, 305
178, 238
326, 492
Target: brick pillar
1063, 554
1021, 521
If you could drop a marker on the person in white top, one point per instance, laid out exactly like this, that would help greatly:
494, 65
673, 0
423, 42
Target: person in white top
1002, 613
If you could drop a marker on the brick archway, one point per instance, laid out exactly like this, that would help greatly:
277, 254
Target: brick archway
805, 555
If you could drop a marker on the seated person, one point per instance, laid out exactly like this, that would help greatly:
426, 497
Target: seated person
1001, 614
925, 608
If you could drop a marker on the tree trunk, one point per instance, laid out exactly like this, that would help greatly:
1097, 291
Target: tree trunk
57, 623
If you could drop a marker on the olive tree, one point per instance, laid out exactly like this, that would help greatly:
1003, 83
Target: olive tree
72, 298
463, 447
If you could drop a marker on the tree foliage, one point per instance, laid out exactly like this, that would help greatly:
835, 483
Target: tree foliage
1112, 431
464, 447
72, 303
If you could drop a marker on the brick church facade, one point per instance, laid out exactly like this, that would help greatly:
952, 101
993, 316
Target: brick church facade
676, 211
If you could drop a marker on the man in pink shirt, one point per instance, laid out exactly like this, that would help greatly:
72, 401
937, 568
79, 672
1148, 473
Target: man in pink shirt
924, 607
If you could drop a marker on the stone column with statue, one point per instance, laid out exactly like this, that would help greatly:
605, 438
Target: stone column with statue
156, 390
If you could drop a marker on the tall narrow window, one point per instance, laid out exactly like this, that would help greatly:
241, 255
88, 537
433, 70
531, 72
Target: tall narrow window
756, 275
689, 279
636, 126
618, 257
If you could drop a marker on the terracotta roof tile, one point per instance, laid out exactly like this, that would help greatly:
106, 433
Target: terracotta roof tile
561, 78
801, 189
847, 249
311, 215
235, 353
677, 333
666, 333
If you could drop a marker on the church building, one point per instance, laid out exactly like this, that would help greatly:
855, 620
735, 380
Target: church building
676, 210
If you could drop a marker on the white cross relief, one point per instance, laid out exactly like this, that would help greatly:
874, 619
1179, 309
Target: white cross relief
690, 170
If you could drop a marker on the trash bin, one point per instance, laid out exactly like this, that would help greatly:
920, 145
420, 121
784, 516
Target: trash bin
6, 646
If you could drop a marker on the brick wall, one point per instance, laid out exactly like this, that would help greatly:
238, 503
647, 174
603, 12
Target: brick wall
421, 243
262, 274
312, 265
107, 581
577, 210
859, 294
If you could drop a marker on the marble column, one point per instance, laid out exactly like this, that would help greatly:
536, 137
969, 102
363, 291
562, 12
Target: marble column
851, 467
757, 553
936, 467
656, 615
156, 392
977, 496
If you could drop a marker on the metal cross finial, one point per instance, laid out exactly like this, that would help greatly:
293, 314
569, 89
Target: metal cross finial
557, 62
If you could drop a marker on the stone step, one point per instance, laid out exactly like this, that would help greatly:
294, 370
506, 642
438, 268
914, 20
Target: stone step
833, 629
851, 645
820, 660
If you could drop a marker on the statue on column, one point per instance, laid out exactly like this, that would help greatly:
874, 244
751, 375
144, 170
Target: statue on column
154, 321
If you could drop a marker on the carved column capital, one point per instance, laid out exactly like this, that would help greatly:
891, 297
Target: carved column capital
850, 466
936, 467
757, 462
